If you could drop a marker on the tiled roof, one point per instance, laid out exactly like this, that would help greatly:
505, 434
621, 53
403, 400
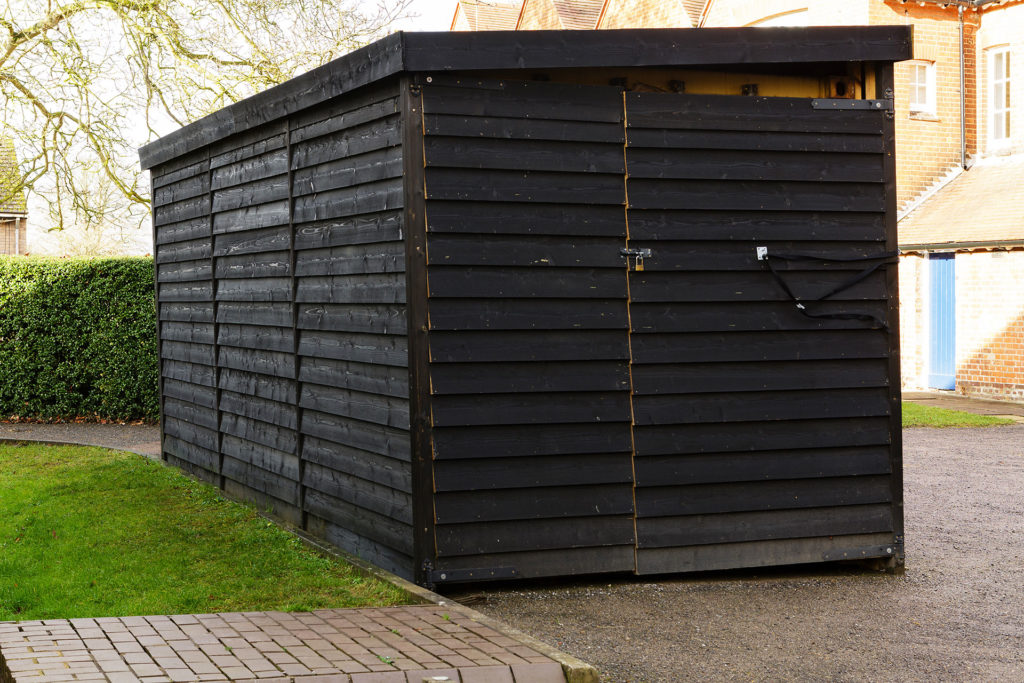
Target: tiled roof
982, 205
10, 180
482, 15
694, 9
579, 14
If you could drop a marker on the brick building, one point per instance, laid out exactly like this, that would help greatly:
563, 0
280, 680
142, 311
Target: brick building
960, 137
13, 211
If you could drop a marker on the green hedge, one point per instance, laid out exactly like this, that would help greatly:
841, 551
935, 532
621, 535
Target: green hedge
78, 338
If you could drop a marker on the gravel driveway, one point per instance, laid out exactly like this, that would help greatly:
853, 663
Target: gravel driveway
956, 614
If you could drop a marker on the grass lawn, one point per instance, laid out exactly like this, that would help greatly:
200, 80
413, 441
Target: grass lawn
916, 415
88, 532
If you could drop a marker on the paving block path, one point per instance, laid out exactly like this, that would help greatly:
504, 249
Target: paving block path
384, 645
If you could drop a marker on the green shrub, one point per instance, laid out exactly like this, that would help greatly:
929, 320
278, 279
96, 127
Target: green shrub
78, 338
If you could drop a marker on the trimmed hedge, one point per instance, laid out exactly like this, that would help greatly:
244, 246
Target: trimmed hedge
78, 339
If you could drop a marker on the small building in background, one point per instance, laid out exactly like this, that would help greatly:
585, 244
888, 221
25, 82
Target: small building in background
486, 15
13, 208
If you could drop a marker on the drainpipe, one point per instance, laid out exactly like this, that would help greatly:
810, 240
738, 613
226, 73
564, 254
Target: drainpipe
963, 95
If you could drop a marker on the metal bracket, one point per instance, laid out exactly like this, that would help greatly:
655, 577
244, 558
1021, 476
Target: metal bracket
866, 105
762, 253
642, 253
458, 575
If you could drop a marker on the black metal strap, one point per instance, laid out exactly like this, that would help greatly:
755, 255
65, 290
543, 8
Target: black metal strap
877, 262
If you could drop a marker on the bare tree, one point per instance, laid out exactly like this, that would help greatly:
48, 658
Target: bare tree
85, 82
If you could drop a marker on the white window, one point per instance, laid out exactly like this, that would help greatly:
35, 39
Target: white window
999, 95
922, 88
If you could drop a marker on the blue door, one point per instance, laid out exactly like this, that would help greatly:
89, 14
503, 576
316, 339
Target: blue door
942, 326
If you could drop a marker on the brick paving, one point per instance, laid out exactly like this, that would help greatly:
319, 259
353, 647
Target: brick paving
384, 645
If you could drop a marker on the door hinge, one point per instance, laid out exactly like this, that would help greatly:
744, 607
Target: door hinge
483, 574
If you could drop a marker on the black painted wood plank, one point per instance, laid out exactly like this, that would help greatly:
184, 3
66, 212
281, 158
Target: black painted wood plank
252, 217
257, 408
747, 316
256, 337
258, 432
520, 251
186, 311
340, 535
360, 139
348, 171
557, 218
190, 453
189, 412
359, 229
783, 494
801, 463
742, 255
756, 406
196, 333
542, 563
255, 313
266, 165
516, 128
752, 140
367, 318
198, 395
519, 535
460, 443
365, 377
252, 477
365, 494
363, 348
362, 259
188, 168
747, 195
732, 223
525, 409
382, 469
379, 196
250, 194
190, 433
540, 503
376, 529
275, 462
697, 378
358, 405
272, 363
527, 100
526, 186
762, 436
524, 155
527, 314
527, 283
250, 384
254, 265
807, 345
518, 345
366, 436
763, 553
186, 188
263, 289
193, 228
187, 352
266, 240
185, 291
479, 474
184, 251
178, 212
372, 288
252, 143
202, 375
727, 112
740, 527
496, 378
735, 286
713, 164
354, 110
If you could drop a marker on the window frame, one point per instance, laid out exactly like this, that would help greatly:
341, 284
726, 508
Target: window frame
927, 108
999, 116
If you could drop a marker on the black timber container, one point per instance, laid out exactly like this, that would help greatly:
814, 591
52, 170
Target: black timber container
394, 306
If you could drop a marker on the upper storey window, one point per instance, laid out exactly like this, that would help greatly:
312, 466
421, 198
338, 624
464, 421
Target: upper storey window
999, 95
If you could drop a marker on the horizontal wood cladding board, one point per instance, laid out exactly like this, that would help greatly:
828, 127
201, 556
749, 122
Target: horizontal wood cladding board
540, 503
184, 231
385, 226
262, 313
187, 411
373, 288
340, 535
696, 256
798, 463
187, 352
755, 140
362, 493
383, 380
187, 452
511, 251
527, 345
200, 312
392, 472
251, 143
757, 406
184, 271
526, 535
347, 143
762, 436
346, 202
190, 393
525, 186
475, 474
697, 378
525, 100
541, 563
270, 460
803, 345
371, 526
382, 319
252, 194
191, 373
514, 128
357, 108
348, 171
491, 378
357, 405
252, 217
181, 211
273, 363
190, 433
726, 112
715, 164
739, 527
184, 167
250, 169
254, 289
763, 553
263, 337
258, 432
783, 494
279, 389
380, 349
254, 265
196, 333
361, 259
460, 443
524, 155
262, 241
190, 250
528, 314
185, 291
375, 438
724, 223
276, 496
265, 410
745, 195
511, 218
536, 283
524, 409
748, 316
708, 286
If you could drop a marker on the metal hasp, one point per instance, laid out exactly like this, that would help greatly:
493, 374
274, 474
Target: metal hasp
875, 105
642, 253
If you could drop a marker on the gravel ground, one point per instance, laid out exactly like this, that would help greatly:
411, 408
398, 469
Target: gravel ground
143, 439
956, 614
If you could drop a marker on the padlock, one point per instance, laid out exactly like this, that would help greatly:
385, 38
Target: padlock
639, 264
